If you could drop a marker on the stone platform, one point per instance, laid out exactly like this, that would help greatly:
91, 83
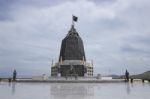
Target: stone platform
72, 81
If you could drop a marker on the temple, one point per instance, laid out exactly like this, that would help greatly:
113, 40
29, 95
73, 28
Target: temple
72, 60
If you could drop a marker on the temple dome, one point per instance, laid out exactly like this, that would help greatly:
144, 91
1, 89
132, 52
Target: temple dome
72, 47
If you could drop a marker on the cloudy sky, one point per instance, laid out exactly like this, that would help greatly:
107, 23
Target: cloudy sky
116, 34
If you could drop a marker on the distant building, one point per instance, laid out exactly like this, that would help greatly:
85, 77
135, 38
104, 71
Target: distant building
72, 60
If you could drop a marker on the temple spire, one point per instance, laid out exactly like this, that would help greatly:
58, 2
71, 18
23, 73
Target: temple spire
72, 31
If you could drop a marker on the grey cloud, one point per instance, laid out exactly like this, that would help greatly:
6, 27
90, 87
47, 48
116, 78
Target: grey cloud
8, 6
113, 35
103, 1
133, 50
5, 7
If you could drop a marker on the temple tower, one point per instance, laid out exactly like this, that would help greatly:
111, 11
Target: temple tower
72, 47
72, 60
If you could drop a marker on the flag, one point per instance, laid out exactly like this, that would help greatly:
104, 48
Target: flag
75, 18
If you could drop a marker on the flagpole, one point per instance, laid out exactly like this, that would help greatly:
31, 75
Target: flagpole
72, 20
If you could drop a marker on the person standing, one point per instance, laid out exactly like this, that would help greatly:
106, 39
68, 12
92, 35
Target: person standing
14, 75
127, 75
